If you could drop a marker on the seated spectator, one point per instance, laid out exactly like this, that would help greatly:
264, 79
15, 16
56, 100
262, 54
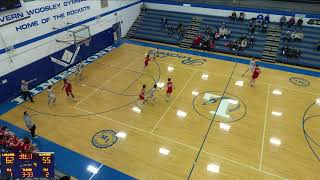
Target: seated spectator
216, 35
264, 26
258, 25
297, 36
233, 16
164, 22
252, 29
252, 41
287, 36
300, 22
143, 8
170, 29
208, 30
211, 46
318, 46
224, 25
232, 45
260, 17
241, 17
224, 32
243, 37
196, 41
291, 22
267, 19
283, 20
244, 44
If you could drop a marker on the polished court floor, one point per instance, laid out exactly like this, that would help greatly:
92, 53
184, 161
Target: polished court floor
215, 126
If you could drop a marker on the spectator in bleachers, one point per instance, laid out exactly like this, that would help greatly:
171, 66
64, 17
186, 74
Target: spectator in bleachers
244, 43
252, 29
164, 22
287, 36
283, 20
297, 36
224, 32
170, 29
264, 26
267, 19
208, 30
318, 46
216, 35
211, 45
180, 30
289, 52
252, 41
291, 22
258, 25
241, 17
232, 45
143, 8
300, 22
260, 17
196, 41
233, 16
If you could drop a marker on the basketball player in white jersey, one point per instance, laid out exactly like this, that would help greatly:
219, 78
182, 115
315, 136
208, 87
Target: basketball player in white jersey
51, 96
155, 53
78, 72
151, 95
251, 66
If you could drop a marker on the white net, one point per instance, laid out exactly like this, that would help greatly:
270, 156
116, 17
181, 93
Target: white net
77, 36
82, 35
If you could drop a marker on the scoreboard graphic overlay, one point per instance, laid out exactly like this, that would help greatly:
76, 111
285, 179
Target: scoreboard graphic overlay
27, 165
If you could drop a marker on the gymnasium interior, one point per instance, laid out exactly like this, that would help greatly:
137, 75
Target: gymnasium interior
244, 101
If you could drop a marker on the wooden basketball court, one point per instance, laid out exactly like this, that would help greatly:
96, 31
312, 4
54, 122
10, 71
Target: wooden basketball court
256, 133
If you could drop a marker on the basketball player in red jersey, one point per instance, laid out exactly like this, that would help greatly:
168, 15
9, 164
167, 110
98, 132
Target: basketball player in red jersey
141, 99
146, 61
68, 88
169, 88
255, 75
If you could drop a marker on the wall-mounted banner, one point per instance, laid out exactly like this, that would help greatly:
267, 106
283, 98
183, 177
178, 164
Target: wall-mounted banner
49, 12
314, 22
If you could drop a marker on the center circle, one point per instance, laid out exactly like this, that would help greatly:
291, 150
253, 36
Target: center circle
213, 106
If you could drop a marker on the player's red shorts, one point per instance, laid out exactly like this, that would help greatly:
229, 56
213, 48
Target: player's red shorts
146, 63
141, 97
169, 90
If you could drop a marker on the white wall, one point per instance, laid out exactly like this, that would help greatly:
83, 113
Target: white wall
37, 50
213, 12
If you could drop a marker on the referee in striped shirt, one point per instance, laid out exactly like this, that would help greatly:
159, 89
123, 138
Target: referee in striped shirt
25, 89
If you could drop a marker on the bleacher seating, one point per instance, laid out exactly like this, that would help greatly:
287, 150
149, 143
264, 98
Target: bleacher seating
237, 30
149, 28
310, 57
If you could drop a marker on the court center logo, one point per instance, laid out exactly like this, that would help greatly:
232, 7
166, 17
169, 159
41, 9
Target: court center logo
299, 81
184, 59
104, 139
67, 58
227, 108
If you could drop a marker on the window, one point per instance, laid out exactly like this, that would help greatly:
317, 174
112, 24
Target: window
104, 3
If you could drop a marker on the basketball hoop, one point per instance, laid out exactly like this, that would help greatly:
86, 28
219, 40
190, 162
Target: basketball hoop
77, 36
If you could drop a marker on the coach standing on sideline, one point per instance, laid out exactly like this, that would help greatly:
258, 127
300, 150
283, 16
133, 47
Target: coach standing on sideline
25, 89
29, 124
